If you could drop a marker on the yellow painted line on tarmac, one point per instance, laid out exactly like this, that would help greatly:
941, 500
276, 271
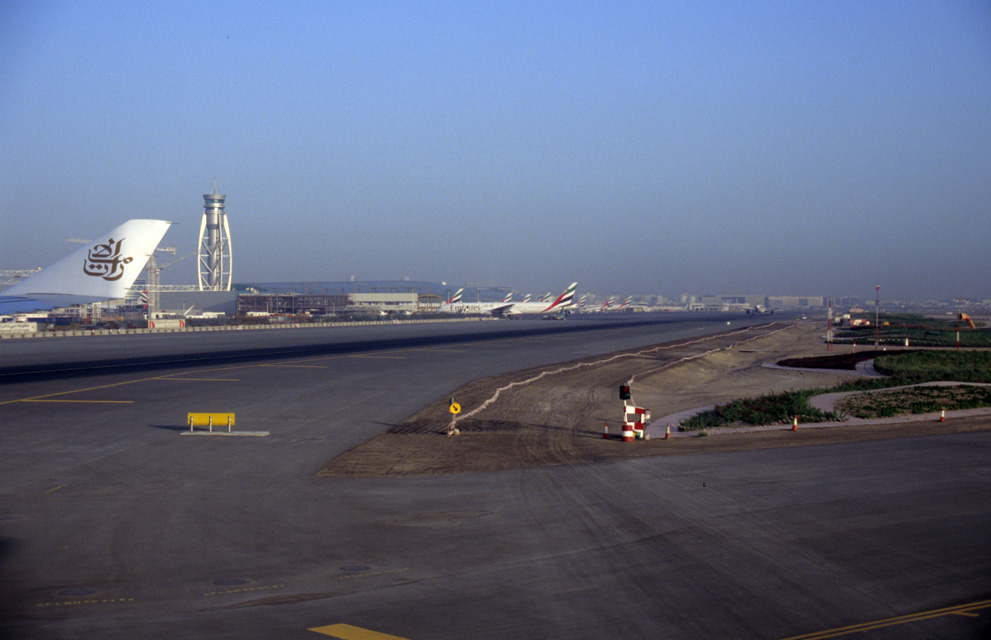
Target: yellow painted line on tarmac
54, 489
246, 589
65, 393
348, 632
71, 603
198, 379
82, 401
963, 609
295, 366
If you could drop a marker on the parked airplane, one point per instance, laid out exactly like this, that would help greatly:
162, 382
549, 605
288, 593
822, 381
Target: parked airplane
560, 305
455, 305
103, 270
760, 309
626, 303
607, 305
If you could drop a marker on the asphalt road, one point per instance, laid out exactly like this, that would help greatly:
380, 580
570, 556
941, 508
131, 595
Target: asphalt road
112, 523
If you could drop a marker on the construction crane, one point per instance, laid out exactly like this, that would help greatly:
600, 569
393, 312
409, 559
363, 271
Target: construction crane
154, 285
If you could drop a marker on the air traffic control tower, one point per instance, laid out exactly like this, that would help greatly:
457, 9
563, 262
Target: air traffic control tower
215, 245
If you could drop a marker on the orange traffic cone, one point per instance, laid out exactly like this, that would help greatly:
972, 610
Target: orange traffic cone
794, 424
942, 415
667, 435
605, 434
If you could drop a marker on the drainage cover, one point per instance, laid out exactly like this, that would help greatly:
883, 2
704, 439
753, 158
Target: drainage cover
355, 568
229, 582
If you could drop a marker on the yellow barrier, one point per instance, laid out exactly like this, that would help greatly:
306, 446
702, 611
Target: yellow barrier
210, 420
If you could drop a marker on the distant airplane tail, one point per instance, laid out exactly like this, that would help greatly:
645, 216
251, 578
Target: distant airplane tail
456, 297
509, 297
103, 270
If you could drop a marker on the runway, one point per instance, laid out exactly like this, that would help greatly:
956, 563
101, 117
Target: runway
111, 523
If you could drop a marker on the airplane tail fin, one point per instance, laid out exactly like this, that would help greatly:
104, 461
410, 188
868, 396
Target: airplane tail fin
104, 269
456, 297
565, 299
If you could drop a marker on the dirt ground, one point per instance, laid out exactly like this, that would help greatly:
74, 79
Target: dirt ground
556, 415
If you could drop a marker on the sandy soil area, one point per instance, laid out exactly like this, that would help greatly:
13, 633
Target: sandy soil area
556, 415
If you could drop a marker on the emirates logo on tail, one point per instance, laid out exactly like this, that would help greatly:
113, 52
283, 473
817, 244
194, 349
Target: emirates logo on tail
105, 261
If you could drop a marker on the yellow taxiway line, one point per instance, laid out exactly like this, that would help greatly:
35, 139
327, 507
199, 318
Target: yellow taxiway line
961, 610
347, 632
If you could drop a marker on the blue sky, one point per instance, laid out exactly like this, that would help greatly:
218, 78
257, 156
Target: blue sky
802, 148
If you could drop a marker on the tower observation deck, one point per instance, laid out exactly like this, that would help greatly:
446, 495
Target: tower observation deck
215, 256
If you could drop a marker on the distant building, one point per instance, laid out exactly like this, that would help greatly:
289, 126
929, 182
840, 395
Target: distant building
327, 304
797, 302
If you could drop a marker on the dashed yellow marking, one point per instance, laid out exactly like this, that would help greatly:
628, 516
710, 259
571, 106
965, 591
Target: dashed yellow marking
54, 489
348, 632
247, 589
73, 603
963, 609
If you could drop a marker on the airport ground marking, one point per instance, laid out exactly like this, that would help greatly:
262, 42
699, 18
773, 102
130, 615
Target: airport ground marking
65, 393
348, 632
54, 489
296, 366
199, 379
960, 610
82, 401
269, 587
74, 603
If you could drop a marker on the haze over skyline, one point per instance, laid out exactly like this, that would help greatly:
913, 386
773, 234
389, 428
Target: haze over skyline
790, 148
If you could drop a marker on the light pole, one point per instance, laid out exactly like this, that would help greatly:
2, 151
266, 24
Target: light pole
877, 312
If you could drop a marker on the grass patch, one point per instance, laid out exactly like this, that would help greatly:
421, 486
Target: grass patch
908, 367
777, 408
927, 366
897, 402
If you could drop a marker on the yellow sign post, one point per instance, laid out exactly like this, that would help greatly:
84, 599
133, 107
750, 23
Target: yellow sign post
455, 409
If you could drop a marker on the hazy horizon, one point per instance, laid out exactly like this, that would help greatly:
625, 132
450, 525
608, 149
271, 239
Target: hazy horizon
785, 148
